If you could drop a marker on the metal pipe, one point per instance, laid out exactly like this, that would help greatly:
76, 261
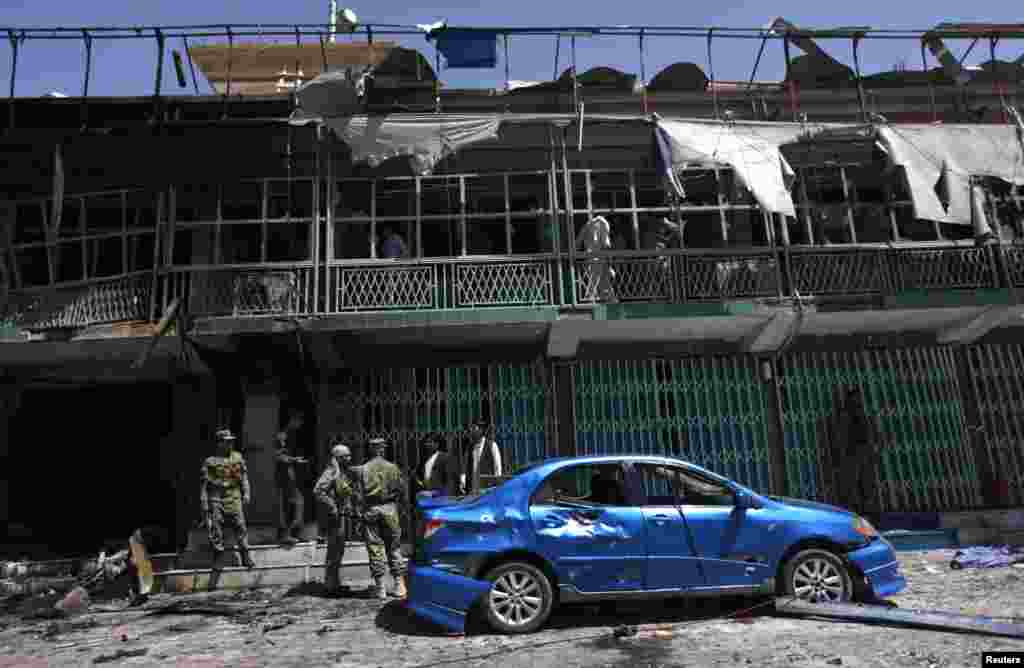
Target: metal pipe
711, 71
931, 85
789, 82
508, 69
575, 86
558, 45
14, 74
188, 52
333, 9
860, 86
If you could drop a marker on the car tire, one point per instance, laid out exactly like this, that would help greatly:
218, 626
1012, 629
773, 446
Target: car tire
817, 576
520, 600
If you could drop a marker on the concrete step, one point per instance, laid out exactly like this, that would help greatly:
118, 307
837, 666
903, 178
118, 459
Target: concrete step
273, 555
903, 540
197, 580
198, 539
986, 519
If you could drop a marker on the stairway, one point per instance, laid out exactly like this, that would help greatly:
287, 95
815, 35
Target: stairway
275, 565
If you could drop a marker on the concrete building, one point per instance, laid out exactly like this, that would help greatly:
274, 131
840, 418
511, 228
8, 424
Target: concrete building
719, 324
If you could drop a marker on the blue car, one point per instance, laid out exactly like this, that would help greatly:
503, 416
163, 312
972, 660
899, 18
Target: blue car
613, 528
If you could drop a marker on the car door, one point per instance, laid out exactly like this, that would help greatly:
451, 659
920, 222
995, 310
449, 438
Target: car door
728, 541
671, 560
595, 546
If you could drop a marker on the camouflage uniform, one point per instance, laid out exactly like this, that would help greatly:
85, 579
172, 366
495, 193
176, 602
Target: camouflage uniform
336, 491
382, 487
224, 490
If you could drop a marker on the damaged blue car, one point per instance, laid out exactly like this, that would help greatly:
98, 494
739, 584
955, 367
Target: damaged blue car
613, 528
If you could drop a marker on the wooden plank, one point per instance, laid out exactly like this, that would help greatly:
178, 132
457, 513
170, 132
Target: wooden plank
926, 619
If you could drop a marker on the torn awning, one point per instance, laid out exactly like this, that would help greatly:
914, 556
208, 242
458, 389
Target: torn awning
751, 149
426, 138
337, 93
940, 159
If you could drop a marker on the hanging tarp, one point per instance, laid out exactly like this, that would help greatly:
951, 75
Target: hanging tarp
426, 138
467, 49
751, 149
940, 159
338, 93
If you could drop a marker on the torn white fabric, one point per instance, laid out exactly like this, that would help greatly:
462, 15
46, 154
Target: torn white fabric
333, 94
427, 138
751, 149
940, 159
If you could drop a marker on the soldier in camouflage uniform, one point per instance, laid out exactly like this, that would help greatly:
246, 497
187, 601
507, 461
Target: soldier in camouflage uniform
382, 487
224, 492
336, 491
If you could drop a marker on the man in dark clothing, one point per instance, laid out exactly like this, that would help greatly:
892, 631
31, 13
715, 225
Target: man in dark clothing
855, 459
292, 507
432, 473
483, 458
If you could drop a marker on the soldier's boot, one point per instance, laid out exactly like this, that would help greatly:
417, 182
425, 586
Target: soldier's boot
399, 591
377, 590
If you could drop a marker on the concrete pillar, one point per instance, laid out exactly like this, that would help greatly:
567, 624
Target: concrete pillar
262, 415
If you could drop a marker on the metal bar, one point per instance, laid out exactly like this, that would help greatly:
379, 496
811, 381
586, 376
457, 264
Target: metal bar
633, 209
85, 79
192, 69
931, 84
462, 214
330, 255
927, 619
160, 204
847, 200
643, 76
373, 219
711, 71
14, 76
157, 111
419, 220
575, 85
508, 215
789, 82
264, 212
217, 259
83, 231
570, 217
860, 85
553, 217
323, 54
508, 71
722, 201
227, 89
312, 299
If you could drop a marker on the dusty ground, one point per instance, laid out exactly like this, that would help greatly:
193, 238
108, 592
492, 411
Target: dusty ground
299, 628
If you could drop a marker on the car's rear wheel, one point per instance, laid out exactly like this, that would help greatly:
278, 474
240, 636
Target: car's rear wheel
521, 598
818, 576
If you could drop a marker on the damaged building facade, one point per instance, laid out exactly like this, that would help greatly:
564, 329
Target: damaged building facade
395, 259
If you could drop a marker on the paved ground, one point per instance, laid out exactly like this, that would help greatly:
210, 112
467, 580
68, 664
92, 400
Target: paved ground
299, 628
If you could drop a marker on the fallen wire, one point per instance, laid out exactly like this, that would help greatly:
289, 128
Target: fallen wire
597, 636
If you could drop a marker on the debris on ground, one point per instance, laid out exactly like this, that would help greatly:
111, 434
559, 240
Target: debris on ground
121, 654
987, 557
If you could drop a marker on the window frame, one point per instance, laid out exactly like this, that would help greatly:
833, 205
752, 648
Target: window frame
627, 488
639, 472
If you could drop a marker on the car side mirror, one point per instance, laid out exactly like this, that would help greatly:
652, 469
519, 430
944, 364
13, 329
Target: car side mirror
745, 500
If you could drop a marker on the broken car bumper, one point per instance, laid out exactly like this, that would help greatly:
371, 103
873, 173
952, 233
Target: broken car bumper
443, 598
877, 561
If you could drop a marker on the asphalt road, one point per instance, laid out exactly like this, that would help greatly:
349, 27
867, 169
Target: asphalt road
300, 628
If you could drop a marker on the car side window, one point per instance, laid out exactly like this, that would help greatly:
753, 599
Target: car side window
583, 484
671, 485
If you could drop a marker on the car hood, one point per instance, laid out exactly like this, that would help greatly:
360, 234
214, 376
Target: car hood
809, 505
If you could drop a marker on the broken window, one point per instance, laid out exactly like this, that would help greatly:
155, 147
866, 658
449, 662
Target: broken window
590, 484
675, 485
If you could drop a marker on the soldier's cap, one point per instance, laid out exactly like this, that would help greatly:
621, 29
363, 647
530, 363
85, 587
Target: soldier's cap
225, 435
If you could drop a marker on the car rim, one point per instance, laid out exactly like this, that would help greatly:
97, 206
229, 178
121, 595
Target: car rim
818, 580
516, 598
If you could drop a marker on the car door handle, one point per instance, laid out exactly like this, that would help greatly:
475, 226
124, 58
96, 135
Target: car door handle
660, 519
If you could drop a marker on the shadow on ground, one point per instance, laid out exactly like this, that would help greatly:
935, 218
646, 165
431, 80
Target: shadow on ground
396, 618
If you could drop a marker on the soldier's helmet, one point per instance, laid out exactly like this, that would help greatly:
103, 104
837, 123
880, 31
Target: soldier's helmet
225, 435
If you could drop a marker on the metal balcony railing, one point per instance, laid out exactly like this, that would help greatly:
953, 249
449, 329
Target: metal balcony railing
462, 283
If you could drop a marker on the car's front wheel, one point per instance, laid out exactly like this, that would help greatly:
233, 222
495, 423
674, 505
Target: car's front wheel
521, 598
818, 576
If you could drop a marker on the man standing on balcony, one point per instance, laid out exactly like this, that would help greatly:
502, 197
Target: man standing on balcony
393, 246
289, 493
483, 458
594, 237
224, 493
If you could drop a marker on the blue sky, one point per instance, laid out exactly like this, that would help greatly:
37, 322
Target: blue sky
127, 67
